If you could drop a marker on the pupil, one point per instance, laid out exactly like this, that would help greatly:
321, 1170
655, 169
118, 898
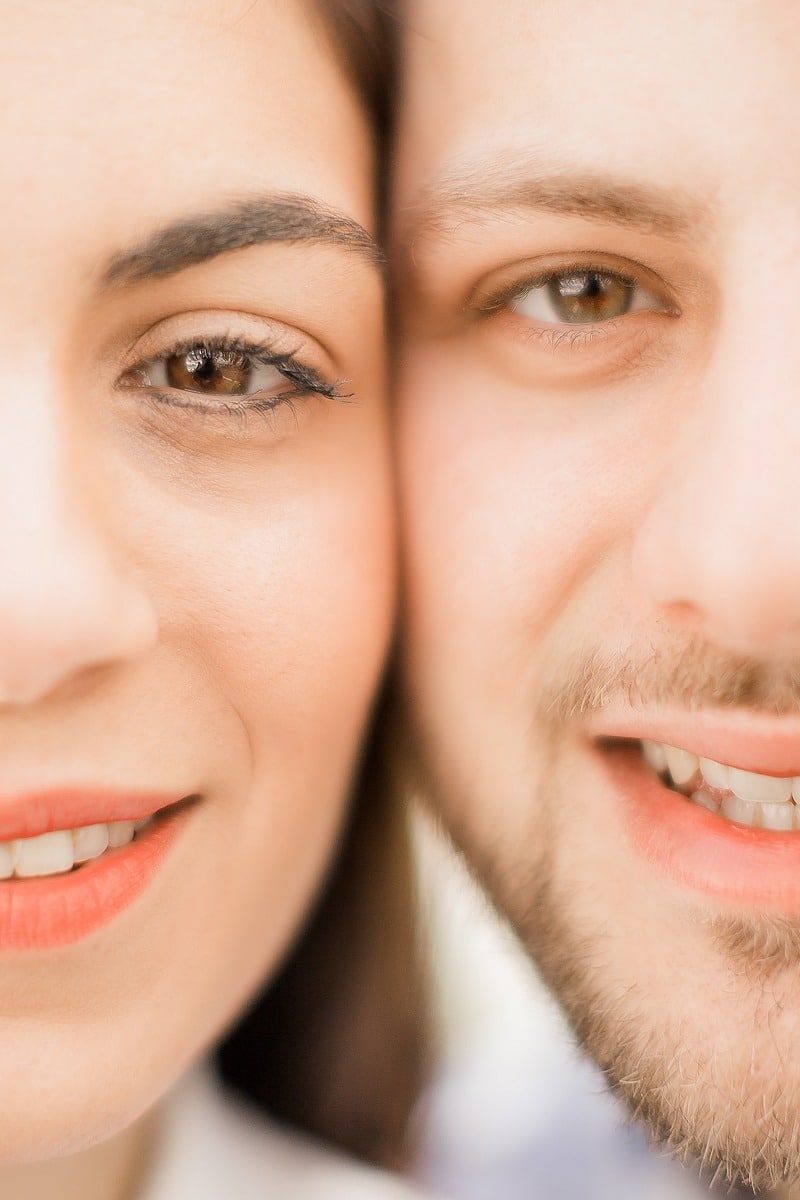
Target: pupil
200, 365
203, 369
589, 296
581, 285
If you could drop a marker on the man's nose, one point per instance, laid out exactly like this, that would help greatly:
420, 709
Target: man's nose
718, 551
68, 603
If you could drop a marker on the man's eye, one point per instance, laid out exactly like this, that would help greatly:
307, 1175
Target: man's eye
582, 298
212, 371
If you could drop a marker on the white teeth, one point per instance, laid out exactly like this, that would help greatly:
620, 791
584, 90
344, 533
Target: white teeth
706, 800
764, 789
746, 797
57, 852
682, 765
744, 812
119, 834
778, 816
655, 757
6, 860
48, 854
715, 774
89, 842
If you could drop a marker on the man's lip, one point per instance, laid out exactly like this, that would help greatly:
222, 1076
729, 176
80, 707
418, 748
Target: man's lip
759, 868
29, 814
751, 741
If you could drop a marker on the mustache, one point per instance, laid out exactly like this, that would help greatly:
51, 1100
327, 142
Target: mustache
688, 674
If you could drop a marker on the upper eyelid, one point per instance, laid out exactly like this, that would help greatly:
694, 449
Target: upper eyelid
250, 330
257, 351
252, 345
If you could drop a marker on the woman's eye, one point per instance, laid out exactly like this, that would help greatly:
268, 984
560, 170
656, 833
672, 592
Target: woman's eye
226, 377
212, 371
581, 298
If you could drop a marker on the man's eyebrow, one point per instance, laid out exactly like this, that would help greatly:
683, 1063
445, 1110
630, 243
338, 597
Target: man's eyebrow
284, 217
476, 193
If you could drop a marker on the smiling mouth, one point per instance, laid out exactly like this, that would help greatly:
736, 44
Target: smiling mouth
68, 851
741, 797
73, 873
64, 850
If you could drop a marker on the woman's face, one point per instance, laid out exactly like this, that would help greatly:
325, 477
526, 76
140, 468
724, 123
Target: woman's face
195, 527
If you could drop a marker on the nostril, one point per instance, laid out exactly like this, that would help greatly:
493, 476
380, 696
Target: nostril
734, 594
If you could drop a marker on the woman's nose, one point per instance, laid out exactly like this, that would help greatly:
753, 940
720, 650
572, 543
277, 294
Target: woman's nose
69, 601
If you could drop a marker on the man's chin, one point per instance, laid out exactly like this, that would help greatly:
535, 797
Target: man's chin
716, 1081
714, 1117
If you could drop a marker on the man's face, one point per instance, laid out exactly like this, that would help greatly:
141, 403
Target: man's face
599, 435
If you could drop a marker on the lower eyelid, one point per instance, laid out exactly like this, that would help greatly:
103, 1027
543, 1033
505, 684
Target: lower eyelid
578, 355
568, 337
630, 323
225, 418
583, 344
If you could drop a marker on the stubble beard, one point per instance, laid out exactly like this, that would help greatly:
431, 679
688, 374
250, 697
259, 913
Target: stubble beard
700, 1105
730, 1114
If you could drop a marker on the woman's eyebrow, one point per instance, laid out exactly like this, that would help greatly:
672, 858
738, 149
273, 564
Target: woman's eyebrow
285, 217
506, 183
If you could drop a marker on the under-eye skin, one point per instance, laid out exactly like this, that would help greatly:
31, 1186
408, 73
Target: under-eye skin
227, 376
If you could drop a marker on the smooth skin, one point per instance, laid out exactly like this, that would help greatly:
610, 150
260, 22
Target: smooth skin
197, 595
600, 495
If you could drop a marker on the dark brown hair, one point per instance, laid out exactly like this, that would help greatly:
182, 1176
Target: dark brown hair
337, 1042
364, 38
363, 34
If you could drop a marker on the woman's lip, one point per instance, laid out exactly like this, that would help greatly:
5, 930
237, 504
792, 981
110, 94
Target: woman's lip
763, 743
697, 848
58, 910
31, 813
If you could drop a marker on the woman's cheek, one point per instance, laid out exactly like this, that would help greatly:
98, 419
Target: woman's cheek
288, 604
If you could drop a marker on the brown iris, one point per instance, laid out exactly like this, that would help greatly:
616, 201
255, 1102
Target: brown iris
215, 372
589, 296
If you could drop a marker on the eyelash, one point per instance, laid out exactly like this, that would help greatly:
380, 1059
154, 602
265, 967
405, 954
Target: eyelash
305, 380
